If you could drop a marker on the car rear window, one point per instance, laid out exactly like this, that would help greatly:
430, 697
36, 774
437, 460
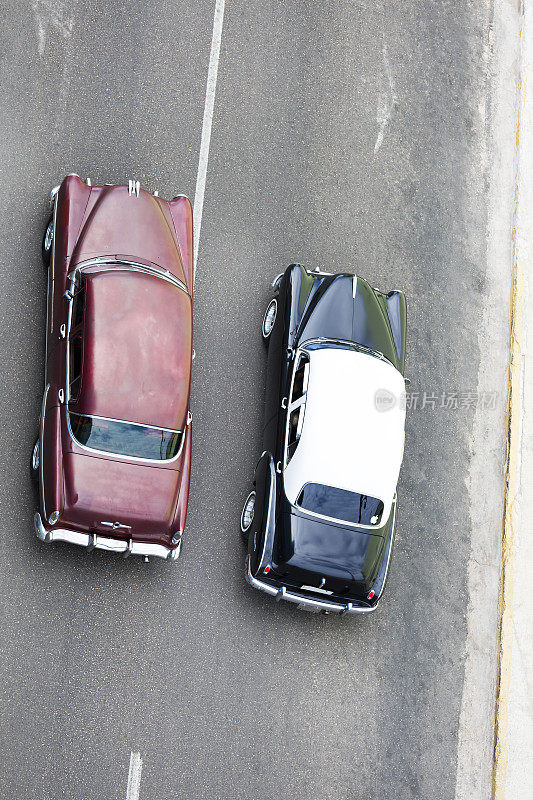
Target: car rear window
125, 438
360, 509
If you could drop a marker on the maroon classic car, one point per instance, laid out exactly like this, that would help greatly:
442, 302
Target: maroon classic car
114, 449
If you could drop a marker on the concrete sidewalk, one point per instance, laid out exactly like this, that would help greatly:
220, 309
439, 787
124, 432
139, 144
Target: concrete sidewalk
513, 754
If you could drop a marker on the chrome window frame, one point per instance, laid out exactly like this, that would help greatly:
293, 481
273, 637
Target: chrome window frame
125, 455
302, 401
343, 521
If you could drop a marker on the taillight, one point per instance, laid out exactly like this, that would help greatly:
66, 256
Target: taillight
371, 594
267, 569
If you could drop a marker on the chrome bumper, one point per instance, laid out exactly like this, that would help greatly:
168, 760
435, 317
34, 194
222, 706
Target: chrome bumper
92, 541
305, 602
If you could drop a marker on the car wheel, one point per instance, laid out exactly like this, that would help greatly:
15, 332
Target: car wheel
48, 240
269, 319
247, 516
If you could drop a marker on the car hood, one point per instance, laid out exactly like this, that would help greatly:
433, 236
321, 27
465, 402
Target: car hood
117, 223
140, 496
347, 308
307, 545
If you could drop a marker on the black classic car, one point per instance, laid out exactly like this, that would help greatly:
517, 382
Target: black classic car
320, 521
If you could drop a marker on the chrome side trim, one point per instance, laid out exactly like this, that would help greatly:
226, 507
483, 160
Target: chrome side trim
93, 540
318, 605
41, 439
50, 283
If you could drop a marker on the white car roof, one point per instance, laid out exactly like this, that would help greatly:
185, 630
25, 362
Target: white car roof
353, 429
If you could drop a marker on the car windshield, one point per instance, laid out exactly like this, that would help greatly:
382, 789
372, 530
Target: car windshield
359, 509
125, 438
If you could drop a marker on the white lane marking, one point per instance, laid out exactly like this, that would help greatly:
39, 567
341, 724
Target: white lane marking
388, 101
206, 125
134, 776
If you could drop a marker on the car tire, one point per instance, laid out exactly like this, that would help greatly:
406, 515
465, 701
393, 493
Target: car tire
247, 516
269, 319
48, 241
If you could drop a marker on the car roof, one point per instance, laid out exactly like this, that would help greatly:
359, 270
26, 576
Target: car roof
348, 439
137, 346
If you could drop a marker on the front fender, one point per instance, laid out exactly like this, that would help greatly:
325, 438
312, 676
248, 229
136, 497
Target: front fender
397, 313
300, 288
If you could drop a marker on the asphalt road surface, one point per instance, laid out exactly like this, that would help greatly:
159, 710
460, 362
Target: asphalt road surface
346, 136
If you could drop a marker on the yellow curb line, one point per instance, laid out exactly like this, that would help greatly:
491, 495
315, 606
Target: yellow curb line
510, 493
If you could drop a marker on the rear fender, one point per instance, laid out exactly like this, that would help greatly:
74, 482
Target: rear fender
261, 538
50, 455
183, 497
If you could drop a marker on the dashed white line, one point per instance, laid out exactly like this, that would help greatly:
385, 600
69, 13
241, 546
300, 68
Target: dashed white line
134, 776
206, 125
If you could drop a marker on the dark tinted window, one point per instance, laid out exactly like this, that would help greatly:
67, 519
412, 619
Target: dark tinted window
340, 504
294, 436
75, 366
299, 386
125, 438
